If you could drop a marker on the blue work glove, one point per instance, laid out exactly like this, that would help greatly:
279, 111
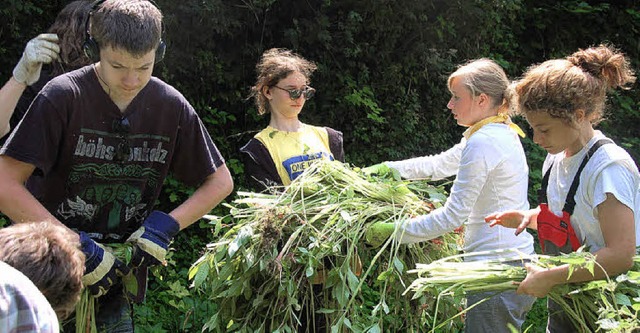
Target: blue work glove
378, 232
101, 268
152, 239
381, 169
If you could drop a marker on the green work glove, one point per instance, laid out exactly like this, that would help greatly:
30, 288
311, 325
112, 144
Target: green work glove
376, 169
378, 232
381, 169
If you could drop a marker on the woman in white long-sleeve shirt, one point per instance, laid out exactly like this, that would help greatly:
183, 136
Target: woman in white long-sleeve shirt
491, 175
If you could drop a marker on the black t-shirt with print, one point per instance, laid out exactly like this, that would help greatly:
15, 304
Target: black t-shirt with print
99, 170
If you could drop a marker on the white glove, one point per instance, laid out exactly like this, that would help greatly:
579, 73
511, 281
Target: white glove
40, 50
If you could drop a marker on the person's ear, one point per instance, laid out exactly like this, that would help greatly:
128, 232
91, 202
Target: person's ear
266, 92
580, 115
483, 100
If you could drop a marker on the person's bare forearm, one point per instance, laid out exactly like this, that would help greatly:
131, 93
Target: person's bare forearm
15, 200
212, 191
9, 97
609, 264
20, 206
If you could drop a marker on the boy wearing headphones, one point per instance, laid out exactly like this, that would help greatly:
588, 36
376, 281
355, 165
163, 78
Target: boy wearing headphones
107, 132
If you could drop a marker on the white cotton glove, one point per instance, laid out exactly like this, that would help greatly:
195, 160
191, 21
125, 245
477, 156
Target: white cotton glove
40, 50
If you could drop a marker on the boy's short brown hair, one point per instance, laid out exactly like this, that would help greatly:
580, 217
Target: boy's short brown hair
131, 25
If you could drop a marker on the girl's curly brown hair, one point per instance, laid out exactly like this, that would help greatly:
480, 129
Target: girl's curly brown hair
580, 81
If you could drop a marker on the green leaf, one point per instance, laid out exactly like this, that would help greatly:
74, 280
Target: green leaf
341, 294
608, 324
257, 301
436, 194
235, 289
398, 265
623, 299
225, 272
213, 322
346, 216
374, 329
385, 307
309, 271
353, 281
193, 270
386, 275
201, 274
130, 283
250, 259
221, 253
247, 287
244, 235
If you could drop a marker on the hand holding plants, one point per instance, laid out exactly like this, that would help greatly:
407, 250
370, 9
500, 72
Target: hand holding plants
381, 170
152, 239
378, 232
538, 282
102, 268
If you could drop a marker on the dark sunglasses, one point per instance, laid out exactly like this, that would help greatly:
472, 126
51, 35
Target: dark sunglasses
122, 128
294, 94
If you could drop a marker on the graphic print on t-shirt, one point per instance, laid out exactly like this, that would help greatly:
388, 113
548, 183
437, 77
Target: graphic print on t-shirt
293, 152
297, 164
148, 151
107, 196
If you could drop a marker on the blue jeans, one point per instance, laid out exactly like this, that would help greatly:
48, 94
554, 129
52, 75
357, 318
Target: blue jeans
494, 314
114, 312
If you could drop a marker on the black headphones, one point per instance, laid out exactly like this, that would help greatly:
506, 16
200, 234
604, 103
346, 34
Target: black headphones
92, 49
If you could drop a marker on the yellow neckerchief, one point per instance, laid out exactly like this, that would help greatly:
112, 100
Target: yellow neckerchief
500, 118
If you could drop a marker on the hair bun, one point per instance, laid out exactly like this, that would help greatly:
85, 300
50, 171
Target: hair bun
587, 65
605, 63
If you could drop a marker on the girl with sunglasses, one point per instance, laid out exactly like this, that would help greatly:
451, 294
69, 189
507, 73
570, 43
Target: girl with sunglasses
491, 174
285, 148
590, 192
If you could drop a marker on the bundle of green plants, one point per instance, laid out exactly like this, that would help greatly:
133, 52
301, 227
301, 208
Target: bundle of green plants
606, 305
287, 261
85, 312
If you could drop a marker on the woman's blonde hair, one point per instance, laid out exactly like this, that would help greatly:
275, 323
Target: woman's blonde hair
483, 76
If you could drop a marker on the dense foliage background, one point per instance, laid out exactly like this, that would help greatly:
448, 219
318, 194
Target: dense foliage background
382, 75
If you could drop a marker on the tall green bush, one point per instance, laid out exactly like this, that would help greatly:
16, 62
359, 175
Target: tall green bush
381, 79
